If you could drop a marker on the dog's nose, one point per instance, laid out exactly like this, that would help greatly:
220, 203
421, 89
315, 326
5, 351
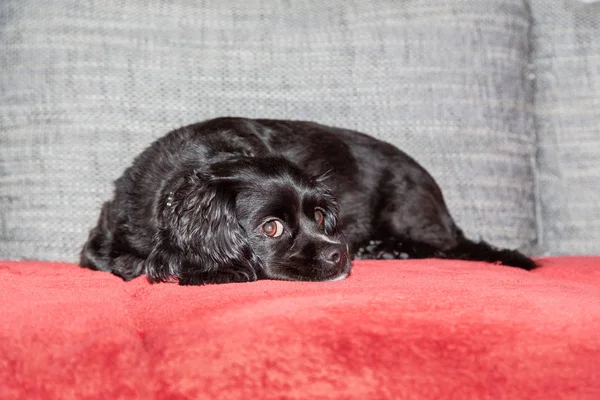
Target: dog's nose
333, 254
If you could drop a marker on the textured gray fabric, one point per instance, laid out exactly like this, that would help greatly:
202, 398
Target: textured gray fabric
86, 85
566, 55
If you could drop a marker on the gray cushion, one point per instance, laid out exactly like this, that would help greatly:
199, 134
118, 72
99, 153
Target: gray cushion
566, 43
86, 85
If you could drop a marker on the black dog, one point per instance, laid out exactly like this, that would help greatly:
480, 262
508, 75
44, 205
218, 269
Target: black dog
236, 200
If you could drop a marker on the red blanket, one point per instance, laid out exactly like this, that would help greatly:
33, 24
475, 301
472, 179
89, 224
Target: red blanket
425, 329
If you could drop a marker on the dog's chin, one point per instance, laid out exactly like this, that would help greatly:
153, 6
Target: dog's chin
340, 277
293, 274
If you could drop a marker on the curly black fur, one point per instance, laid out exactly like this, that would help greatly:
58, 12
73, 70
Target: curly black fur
193, 207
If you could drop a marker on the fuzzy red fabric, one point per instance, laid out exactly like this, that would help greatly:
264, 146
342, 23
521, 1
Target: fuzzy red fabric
425, 329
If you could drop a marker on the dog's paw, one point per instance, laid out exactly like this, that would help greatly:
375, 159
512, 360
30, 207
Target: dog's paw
218, 277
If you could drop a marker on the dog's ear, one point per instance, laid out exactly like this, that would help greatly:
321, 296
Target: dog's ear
332, 209
200, 239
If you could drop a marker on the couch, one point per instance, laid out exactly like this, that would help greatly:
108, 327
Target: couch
498, 99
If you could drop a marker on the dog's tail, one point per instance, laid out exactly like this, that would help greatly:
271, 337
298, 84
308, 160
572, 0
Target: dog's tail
464, 249
482, 251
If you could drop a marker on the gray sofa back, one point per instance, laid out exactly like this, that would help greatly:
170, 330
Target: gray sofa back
499, 100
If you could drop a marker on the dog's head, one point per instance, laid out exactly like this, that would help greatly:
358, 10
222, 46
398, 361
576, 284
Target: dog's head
260, 217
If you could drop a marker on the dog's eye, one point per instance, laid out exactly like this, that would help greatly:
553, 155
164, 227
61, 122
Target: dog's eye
273, 228
319, 217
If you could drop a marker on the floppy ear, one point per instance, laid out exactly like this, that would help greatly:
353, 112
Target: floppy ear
200, 240
331, 206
